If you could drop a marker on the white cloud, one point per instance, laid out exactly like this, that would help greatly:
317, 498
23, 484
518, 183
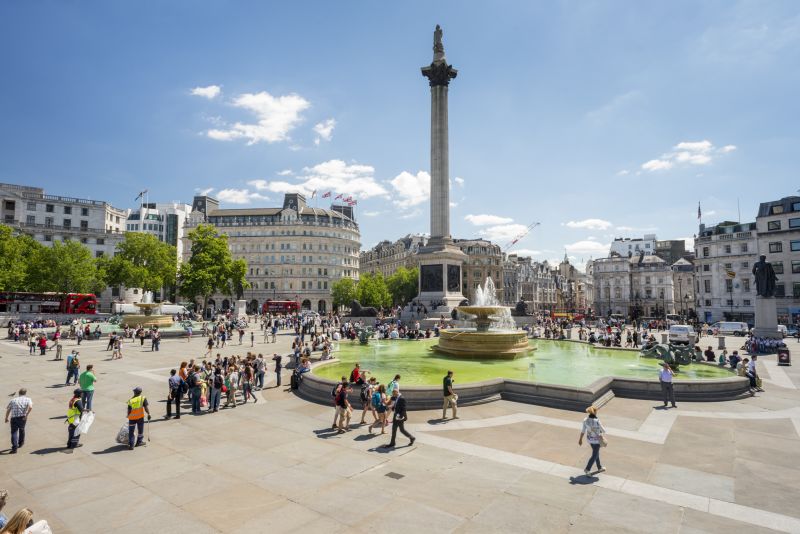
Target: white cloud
485, 220
333, 175
276, 117
285, 172
324, 130
689, 242
210, 92
657, 165
238, 196
590, 224
411, 189
204, 192
372, 213
459, 181
585, 247
503, 232
689, 153
619, 104
623, 172
453, 204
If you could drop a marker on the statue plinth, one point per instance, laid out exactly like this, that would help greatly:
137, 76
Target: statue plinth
766, 318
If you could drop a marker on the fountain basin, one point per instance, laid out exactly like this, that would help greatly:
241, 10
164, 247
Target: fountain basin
505, 345
135, 321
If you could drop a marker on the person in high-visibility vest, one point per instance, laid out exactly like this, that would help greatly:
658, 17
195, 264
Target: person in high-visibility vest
137, 407
74, 413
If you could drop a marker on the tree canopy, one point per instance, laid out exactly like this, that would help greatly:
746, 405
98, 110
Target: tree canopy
372, 291
343, 292
210, 269
143, 261
403, 285
16, 253
65, 267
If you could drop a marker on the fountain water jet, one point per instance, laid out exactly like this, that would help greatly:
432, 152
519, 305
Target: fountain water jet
485, 341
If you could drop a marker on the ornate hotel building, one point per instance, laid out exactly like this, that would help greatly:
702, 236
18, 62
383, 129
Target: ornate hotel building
294, 252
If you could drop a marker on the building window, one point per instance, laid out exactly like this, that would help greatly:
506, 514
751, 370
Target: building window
48, 237
774, 225
795, 267
84, 240
705, 252
706, 268
48, 222
796, 290
729, 266
101, 241
30, 219
708, 302
49, 208
729, 302
743, 247
98, 253
707, 286
727, 249
777, 209
746, 302
745, 264
778, 267
115, 291
795, 246
776, 247
84, 225
780, 290
67, 210
84, 212
67, 223
795, 206
746, 285
31, 206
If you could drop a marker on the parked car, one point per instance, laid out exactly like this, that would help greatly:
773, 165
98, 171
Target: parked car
730, 328
681, 334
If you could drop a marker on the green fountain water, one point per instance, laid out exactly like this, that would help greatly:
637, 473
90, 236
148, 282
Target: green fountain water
553, 362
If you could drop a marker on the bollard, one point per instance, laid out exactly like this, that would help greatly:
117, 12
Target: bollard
664, 338
721, 343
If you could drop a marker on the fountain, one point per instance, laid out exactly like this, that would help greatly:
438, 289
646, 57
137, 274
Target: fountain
147, 317
495, 334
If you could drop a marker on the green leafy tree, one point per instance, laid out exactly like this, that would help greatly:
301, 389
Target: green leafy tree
141, 260
343, 292
65, 267
210, 269
403, 285
16, 252
372, 291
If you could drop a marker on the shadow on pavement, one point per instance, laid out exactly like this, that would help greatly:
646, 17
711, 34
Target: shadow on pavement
49, 450
112, 449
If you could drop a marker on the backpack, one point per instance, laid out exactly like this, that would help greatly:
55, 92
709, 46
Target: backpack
335, 390
376, 399
218, 382
74, 364
365, 392
192, 380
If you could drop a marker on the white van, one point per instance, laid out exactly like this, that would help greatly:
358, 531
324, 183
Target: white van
681, 333
728, 327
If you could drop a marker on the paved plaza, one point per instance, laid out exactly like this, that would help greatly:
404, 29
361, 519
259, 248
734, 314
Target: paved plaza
275, 466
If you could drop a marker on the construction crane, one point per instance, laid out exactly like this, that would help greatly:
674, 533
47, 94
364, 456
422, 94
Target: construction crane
520, 236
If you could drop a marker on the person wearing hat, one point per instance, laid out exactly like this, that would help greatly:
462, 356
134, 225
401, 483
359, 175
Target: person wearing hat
595, 435
74, 413
137, 407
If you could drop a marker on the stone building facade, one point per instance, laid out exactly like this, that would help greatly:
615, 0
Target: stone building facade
484, 260
637, 287
778, 227
293, 252
48, 218
386, 257
724, 257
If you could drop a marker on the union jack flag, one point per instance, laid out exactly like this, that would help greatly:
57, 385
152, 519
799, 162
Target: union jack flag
340, 195
326, 194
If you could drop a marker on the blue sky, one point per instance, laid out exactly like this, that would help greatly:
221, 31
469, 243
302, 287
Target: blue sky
597, 119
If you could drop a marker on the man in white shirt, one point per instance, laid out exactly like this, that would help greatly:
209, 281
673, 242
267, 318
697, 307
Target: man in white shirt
665, 377
17, 412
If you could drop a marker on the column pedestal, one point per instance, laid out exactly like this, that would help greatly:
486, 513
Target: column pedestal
766, 318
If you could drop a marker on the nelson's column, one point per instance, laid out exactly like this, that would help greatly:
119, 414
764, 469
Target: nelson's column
440, 261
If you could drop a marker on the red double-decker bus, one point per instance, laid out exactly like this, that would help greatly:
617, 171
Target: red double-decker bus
20, 301
280, 306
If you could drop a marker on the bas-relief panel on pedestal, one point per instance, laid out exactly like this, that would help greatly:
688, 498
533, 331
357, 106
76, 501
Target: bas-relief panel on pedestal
454, 278
431, 278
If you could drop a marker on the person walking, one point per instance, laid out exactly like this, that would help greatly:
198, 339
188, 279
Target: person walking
595, 436
73, 367
343, 408
194, 388
665, 378
261, 369
74, 414
216, 390
399, 419
87, 380
137, 408
277, 358
232, 383
17, 413
59, 348
450, 397
176, 384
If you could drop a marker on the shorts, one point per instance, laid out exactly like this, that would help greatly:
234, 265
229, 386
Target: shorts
381, 409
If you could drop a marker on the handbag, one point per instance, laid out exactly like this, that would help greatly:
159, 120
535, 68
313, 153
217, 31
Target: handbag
603, 440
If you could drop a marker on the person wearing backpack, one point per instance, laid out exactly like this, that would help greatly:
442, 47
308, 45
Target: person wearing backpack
379, 405
217, 383
366, 400
176, 384
73, 367
343, 407
194, 387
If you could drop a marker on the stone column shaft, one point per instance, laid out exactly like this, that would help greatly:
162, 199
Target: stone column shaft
440, 165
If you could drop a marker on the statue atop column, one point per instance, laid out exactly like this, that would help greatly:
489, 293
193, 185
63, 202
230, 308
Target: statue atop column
438, 47
765, 277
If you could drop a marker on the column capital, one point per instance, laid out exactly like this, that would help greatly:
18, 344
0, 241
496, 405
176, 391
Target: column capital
439, 73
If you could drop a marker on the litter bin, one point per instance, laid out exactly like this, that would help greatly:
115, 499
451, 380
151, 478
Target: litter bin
720, 342
664, 338
784, 357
